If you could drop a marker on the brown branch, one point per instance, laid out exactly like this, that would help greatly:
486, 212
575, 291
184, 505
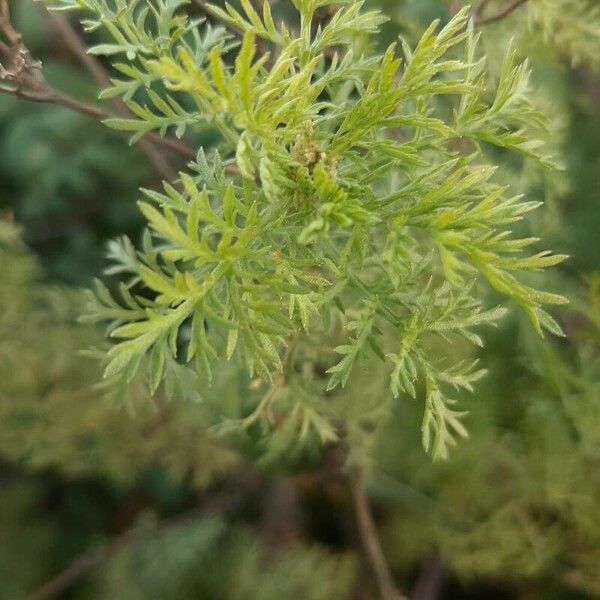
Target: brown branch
13, 37
21, 76
478, 10
49, 95
480, 20
79, 49
242, 484
78, 568
16, 60
172, 143
158, 160
84, 563
370, 541
282, 515
430, 582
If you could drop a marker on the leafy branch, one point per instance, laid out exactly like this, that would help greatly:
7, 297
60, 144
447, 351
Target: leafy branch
350, 205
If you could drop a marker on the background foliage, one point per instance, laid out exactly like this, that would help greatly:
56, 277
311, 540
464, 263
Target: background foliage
180, 513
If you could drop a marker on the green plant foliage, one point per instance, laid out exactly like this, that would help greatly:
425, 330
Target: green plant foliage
57, 419
331, 575
245, 567
351, 199
148, 567
521, 497
315, 288
554, 29
569, 27
25, 559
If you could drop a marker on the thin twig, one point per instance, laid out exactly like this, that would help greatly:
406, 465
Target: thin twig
282, 514
237, 488
78, 568
49, 95
84, 563
12, 36
370, 541
430, 582
478, 10
480, 20
21, 76
95, 68
79, 49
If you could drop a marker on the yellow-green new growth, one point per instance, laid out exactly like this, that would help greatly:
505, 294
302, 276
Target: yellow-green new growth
361, 197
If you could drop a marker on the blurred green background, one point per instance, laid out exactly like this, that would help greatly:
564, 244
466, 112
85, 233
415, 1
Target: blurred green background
149, 506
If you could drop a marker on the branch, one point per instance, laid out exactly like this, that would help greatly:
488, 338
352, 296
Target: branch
430, 582
83, 564
49, 95
95, 68
282, 516
77, 569
370, 541
482, 21
235, 492
477, 10
21, 76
